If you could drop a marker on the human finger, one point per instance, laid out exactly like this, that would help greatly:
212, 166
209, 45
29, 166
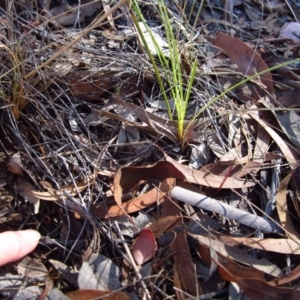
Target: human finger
16, 244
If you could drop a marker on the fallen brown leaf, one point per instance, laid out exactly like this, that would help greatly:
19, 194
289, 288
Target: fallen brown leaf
256, 288
282, 209
96, 294
183, 267
248, 61
285, 246
208, 179
136, 204
144, 246
53, 195
239, 255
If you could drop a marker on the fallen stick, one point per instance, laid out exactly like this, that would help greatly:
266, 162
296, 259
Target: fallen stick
243, 217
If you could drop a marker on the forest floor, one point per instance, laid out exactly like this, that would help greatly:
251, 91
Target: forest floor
154, 146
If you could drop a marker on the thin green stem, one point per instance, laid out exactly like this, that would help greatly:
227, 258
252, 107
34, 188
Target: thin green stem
237, 85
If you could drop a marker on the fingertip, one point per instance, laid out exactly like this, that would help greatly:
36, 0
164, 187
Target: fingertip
16, 244
31, 236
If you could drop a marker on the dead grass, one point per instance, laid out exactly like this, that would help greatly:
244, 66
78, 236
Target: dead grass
81, 118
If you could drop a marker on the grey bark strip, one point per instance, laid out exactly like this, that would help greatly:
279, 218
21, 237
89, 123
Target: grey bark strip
243, 217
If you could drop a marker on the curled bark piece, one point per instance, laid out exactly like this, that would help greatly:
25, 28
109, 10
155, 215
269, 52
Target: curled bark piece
243, 217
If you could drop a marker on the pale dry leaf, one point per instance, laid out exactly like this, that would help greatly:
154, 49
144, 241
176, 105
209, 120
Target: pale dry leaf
290, 124
199, 155
62, 68
291, 31
106, 8
31, 268
277, 6
54, 195
262, 144
291, 276
207, 179
282, 209
234, 122
99, 273
149, 36
25, 189
233, 154
285, 246
213, 265
253, 12
151, 121
68, 273
215, 144
239, 255
15, 164
290, 157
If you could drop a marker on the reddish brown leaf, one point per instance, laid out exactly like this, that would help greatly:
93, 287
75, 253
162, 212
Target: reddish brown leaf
231, 265
293, 275
163, 224
130, 177
184, 271
136, 204
96, 294
256, 288
208, 179
88, 86
144, 246
248, 61
231, 168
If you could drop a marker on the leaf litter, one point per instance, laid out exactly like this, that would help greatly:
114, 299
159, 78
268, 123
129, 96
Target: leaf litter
90, 159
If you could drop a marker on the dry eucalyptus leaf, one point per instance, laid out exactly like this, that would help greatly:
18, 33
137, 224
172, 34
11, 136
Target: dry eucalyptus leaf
99, 273
54, 195
291, 31
290, 124
87, 85
64, 15
239, 255
286, 246
254, 288
66, 272
15, 164
248, 61
96, 294
289, 155
153, 39
285, 218
25, 189
31, 268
